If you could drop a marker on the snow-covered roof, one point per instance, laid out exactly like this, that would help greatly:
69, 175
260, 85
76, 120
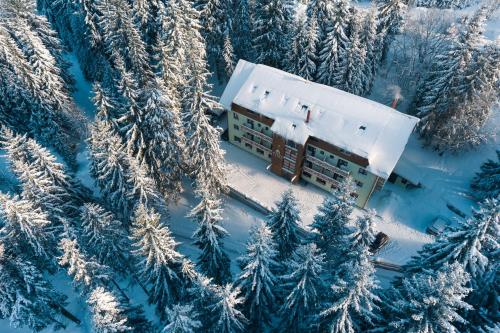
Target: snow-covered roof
355, 124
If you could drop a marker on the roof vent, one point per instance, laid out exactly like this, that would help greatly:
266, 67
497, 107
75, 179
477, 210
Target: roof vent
293, 125
362, 127
266, 93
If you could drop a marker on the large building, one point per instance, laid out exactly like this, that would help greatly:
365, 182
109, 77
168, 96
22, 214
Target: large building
314, 132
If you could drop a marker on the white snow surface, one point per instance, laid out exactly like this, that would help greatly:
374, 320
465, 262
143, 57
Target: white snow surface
355, 124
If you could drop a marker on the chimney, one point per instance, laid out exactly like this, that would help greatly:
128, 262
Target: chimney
395, 102
308, 116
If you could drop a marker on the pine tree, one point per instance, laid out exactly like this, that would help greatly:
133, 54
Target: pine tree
333, 46
322, 12
157, 258
364, 233
455, 100
349, 74
469, 244
271, 29
229, 57
103, 235
369, 39
283, 221
331, 221
428, 301
26, 298
486, 183
227, 317
27, 230
304, 287
181, 319
450, 4
391, 15
257, 280
164, 138
87, 273
242, 40
107, 312
105, 104
302, 55
213, 260
351, 307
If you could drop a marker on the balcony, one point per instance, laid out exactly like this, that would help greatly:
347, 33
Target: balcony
257, 133
327, 165
321, 175
255, 144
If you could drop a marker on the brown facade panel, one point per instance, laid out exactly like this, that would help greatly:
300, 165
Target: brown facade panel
337, 151
277, 154
252, 115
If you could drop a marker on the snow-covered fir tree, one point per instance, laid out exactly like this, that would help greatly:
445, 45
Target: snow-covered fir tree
364, 233
107, 312
213, 260
350, 73
27, 299
284, 223
486, 183
370, 40
257, 280
181, 319
322, 11
351, 305
330, 223
216, 19
271, 30
333, 46
428, 301
302, 55
27, 230
455, 101
87, 273
103, 235
157, 258
452, 4
304, 289
242, 39
106, 105
226, 314
391, 15
228, 56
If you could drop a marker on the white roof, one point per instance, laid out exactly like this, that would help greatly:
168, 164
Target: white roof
355, 124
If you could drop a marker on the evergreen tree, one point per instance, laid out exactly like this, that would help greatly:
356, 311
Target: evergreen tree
181, 319
106, 106
428, 301
87, 273
213, 260
322, 12
332, 47
27, 230
302, 55
227, 317
242, 40
370, 38
157, 258
164, 138
351, 306
350, 73
364, 233
486, 183
332, 218
229, 57
304, 287
107, 312
455, 100
284, 225
26, 298
271, 29
257, 280
469, 244
451, 4
103, 235
391, 15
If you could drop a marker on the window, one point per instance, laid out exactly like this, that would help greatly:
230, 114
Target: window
236, 127
237, 139
354, 195
289, 165
362, 171
321, 152
321, 181
333, 186
248, 145
338, 177
345, 152
260, 151
267, 128
291, 144
341, 163
332, 157
311, 150
250, 123
359, 184
235, 115
259, 125
307, 174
